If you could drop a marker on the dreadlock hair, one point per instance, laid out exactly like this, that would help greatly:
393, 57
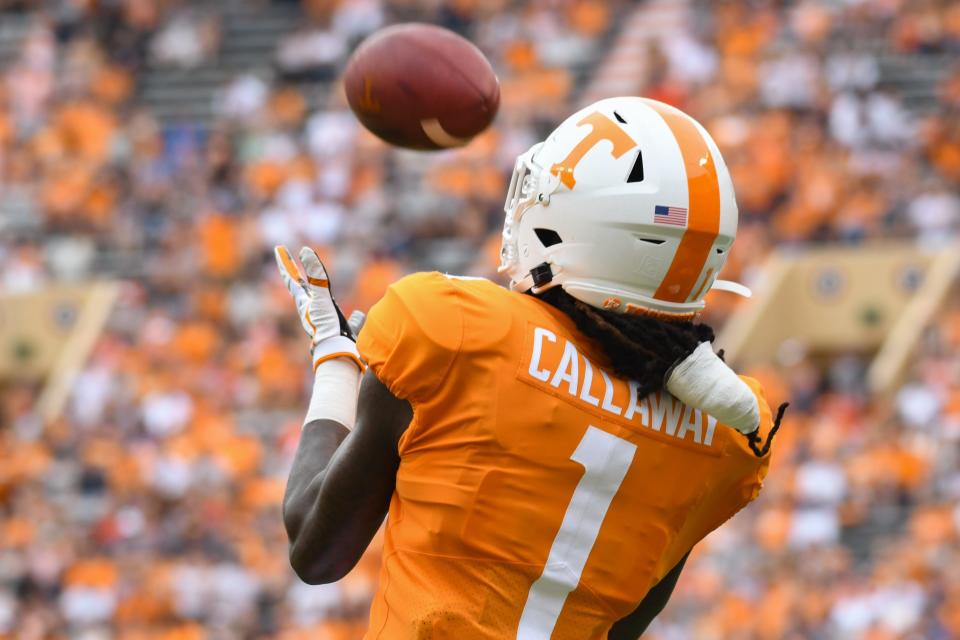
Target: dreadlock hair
639, 347
644, 348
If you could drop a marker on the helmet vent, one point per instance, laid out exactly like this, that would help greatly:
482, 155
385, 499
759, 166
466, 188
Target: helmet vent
619, 118
548, 237
652, 240
636, 173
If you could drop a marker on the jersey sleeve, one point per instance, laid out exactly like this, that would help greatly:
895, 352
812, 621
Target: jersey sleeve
413, 334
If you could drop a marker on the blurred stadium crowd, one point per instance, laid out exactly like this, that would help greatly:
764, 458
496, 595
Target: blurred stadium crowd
150, 509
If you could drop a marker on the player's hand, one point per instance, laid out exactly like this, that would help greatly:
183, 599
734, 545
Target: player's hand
331, 336
703, 380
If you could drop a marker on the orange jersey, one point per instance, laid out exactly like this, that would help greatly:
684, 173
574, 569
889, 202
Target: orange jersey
537, 495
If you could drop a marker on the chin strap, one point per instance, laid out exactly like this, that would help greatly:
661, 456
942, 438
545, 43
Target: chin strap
732, 287
753, 438
537, 280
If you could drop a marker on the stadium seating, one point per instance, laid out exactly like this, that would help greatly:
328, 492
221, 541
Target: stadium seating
150, 505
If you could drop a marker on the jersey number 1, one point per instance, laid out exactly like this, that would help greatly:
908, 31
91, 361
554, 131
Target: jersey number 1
605, 459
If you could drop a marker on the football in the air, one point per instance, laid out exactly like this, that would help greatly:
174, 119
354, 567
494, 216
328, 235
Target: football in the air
420, 86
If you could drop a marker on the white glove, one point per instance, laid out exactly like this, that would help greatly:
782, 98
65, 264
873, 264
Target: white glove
704, 381
330, 334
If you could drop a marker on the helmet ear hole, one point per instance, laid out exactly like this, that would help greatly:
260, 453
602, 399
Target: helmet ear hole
636, 173
548, 237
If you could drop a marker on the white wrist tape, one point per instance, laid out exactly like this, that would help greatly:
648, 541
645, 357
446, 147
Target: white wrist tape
335, 347
704, 381
335, 388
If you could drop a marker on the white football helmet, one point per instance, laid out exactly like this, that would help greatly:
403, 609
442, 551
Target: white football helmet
628, 206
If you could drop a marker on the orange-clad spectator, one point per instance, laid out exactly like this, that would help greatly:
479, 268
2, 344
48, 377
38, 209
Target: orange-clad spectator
949, 88
97, 573
372, 281
862, 210
537, 88
27, 462
189, 631
272, 369
773, 528
262, 493
239, 456
66, 189
86, 130
100, 203
143, 605
945, 155
195, 342
775, 610
17, 533
220, 241
211, 303
949, 611
301, 167
521, 56
287, 107
934, 525
473, 180
112, 85
589, 17
265, 177
743, 31
141, 14
6, 129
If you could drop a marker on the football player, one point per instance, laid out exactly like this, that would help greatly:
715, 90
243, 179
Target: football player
546, 456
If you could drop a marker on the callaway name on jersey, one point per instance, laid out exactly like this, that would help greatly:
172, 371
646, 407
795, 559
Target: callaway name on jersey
537, 495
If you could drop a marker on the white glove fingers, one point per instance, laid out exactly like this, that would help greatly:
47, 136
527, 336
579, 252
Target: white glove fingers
356, 320
288, 270
319, 314
316, 273
295, 285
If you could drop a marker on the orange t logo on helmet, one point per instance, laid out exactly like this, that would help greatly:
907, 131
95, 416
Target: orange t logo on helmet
602, 128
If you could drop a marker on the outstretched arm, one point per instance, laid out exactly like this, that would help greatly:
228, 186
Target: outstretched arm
344, 471
341, 483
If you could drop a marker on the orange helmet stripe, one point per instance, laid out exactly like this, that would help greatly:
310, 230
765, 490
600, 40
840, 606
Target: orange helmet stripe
703, 285
703, 217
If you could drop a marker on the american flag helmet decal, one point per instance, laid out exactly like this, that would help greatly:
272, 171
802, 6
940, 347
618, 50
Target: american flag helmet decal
676, 216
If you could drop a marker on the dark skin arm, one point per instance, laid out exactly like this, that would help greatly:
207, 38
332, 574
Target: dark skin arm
633, 626
339, 488
339, 491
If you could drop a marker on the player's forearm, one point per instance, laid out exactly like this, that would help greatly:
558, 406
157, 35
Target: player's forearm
330, 416
303, 500
340, 487
318, 443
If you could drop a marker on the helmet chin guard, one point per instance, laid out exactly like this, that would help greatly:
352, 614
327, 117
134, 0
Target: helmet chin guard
628, 206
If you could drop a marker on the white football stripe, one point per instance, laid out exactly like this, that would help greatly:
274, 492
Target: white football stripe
439, 136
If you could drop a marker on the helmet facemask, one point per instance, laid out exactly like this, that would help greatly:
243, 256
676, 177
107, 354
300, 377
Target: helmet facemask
530, 186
